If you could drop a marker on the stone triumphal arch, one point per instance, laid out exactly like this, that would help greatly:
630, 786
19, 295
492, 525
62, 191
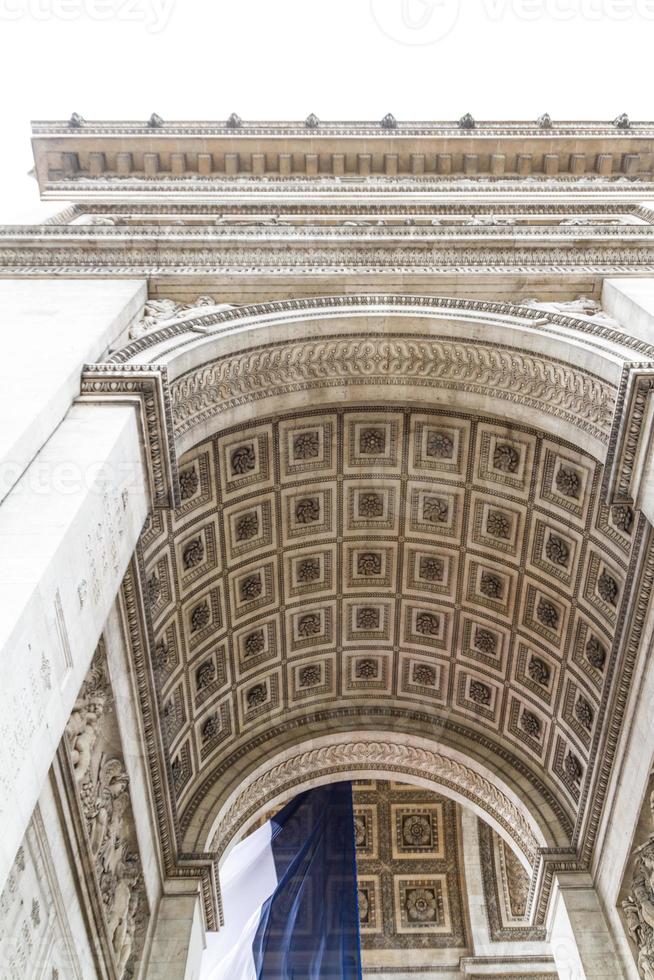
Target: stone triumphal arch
326, 454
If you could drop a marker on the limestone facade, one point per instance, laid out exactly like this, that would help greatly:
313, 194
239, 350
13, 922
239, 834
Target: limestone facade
325, 453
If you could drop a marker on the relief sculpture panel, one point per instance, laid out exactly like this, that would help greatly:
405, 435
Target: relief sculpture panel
108, 832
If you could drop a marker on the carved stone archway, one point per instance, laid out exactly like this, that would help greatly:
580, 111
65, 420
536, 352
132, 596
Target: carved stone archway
376, 755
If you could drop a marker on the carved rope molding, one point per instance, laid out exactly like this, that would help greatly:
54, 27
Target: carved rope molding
380, 755
579, 398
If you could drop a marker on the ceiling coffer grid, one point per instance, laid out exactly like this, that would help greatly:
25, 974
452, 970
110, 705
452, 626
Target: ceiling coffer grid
371, 559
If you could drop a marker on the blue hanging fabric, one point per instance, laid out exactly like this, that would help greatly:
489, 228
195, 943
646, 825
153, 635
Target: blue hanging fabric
290, 896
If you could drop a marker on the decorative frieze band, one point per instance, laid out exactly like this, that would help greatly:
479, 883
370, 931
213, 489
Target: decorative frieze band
536, 382
207, 257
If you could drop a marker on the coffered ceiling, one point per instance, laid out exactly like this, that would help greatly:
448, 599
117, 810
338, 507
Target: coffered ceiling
384, 568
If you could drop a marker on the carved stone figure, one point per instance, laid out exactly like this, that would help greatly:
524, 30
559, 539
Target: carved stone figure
103, 789
99, 220
491, 219
157, 312
122, 914
111, 802
82, 725
638, 908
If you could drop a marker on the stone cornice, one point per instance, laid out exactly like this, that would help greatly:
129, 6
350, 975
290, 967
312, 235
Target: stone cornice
289, 128
76, 157
350, 129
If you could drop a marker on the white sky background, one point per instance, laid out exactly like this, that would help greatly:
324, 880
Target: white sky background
343, 59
